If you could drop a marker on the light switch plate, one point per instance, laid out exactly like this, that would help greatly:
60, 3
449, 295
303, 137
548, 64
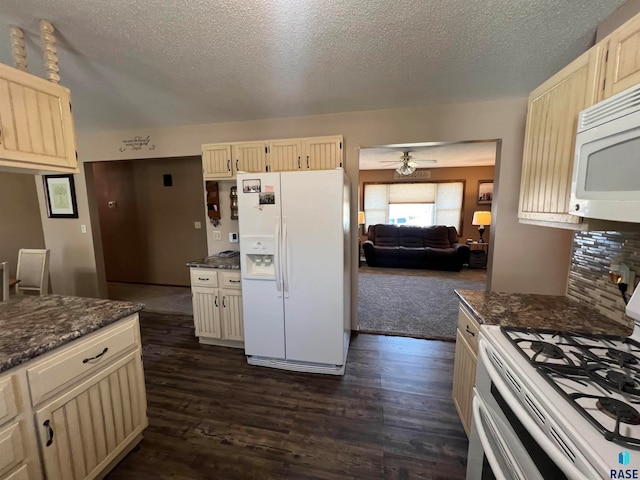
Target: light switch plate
233, 237
197, 225
217, 235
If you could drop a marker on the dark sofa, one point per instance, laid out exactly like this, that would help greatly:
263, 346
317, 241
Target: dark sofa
433, 247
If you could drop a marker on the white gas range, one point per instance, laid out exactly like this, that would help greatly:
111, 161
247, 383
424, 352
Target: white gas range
553, 405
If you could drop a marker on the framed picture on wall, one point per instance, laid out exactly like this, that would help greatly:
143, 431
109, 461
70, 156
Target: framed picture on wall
485, 192
60, 195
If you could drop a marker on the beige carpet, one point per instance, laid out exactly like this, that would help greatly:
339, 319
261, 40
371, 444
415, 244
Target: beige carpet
413, 303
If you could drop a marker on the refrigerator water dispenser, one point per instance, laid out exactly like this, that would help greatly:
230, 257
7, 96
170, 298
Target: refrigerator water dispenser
258, 261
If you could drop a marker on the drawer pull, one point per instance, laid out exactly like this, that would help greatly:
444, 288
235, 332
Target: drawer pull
234, 281
203, 279
469, 331
47, 425
106, 349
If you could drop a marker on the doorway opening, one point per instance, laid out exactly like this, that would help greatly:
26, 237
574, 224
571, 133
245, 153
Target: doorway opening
399, 185
152, 222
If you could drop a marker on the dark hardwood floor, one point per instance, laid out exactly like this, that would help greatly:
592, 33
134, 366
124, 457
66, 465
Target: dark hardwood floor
213, 416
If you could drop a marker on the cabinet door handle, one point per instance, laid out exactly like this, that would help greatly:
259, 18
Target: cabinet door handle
47, 425
215, 301
307, 161
470, 332
223, 302
298, 162
229, 165
236, 164
106, 349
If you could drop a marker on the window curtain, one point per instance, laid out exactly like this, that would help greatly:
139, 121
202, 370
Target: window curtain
447, 198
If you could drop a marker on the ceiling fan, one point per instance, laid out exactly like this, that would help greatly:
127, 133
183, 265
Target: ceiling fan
408, 163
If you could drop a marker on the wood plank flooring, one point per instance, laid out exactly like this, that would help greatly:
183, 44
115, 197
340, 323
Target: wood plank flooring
213, 416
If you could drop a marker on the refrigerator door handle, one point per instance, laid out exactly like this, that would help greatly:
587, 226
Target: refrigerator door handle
285, 258
276, 260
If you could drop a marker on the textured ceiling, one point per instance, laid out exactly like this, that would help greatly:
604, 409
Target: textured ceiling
148, 63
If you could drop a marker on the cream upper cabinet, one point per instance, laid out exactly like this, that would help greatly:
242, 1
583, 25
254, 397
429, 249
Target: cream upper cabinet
284, 155
249, 157
550, 139
322, 153
36, 125
315, 153
221, 161
216, 161
623, 62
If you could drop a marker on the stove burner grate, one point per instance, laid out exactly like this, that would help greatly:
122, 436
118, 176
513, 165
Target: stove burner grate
547, 349
624, 358
618, 410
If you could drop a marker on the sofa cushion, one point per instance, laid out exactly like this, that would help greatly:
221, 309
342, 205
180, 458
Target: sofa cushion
436, 236
411, 237
385, 235
453, 235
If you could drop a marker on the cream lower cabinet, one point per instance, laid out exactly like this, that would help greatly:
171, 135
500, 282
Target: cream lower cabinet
217, 307
84, 430
74, 412
36, 125
464, 370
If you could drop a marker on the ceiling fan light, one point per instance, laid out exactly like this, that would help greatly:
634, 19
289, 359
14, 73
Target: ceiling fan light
405, 169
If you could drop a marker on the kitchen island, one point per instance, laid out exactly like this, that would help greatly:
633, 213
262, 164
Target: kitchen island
72, 394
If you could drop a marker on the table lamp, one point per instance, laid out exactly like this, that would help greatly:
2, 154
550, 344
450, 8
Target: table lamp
481, 218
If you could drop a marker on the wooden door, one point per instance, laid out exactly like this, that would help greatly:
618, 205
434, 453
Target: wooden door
623, 62
550, 135
322, 153
284, 155
250, 157
232, 325
36, 124
206, 311
216, 161
82, 431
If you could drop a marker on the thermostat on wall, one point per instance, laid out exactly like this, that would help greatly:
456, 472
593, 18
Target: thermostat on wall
233, 237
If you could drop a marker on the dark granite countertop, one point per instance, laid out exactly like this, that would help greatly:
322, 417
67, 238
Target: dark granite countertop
540, 311
33, 325
214, 261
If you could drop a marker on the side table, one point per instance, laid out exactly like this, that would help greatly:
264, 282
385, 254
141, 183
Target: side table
479, 253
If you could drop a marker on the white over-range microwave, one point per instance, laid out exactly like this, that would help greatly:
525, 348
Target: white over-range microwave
606, 172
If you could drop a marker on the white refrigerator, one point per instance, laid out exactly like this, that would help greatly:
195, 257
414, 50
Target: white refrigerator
296, 273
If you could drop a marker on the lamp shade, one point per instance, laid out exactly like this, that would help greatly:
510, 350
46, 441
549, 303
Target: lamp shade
481, 218
360, 218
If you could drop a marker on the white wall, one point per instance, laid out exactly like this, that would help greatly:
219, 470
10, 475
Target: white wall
524, 258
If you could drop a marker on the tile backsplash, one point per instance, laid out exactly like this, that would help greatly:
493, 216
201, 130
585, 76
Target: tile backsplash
591, 257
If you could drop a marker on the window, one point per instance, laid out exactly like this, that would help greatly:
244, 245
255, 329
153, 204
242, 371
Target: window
419, 204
